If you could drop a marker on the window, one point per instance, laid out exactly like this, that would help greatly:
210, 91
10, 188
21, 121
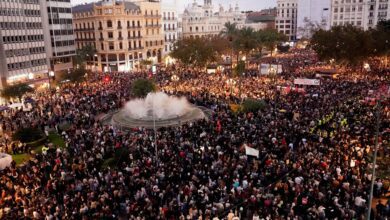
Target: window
110, 35
109, 23
120, 45
111, 46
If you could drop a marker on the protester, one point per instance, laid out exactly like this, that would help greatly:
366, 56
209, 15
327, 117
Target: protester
313, 163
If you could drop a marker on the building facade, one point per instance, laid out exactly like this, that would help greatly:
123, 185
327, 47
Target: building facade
22, 45
201, 20
312, 14
123, 33
360, 13
59, 36
286, 18
266, 17
170, 24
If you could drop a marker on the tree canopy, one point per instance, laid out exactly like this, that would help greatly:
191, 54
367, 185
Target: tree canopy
85, 54
350, 45
142, 87
201, 51
16, 91
75, 75
198, 52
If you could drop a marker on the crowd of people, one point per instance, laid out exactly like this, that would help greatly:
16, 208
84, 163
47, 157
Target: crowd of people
314, 161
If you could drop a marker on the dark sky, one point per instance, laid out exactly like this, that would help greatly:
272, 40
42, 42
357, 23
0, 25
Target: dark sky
253, 5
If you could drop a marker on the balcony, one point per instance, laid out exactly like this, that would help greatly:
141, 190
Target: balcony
134, 27
119, 27
153, 16
120, 38
136, 48
153, 26
100, 28
134, 37
101, 39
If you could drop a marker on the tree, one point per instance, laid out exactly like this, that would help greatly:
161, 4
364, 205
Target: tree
26, 135
142, 87
347, 45
381, 38
196, 52
253, 105
85, 54
269, 38
16, 91
245, 40
76, 75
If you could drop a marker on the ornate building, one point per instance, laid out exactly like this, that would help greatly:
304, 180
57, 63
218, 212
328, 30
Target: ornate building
201, 20
123, 32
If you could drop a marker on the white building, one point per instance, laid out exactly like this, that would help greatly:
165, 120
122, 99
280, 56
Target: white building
286, 18
22, 45
361, 13
201, 20
59, 36
312, 14
170, 24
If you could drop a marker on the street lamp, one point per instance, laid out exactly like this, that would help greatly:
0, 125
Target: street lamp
175, 79
95, 57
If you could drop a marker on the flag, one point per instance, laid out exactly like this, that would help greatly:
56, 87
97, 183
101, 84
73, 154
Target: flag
251, 151
219, 126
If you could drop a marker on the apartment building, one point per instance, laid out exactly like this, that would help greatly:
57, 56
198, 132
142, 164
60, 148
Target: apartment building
59, 36
123, 32
312, 14
286, 18
360, 13
170, 24
22, 45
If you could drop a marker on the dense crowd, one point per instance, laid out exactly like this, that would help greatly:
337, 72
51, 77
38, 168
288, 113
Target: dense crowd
314, 163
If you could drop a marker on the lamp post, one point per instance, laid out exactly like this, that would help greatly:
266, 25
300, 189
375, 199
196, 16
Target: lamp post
175, 79
95, 57
243, 59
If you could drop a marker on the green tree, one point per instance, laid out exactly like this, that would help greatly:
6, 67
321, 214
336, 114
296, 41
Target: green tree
347, 45
28, 134
381, 38
269, 39
245, 41
253, 105
85, 54
16, 91
76, 75
197, 52
142, 87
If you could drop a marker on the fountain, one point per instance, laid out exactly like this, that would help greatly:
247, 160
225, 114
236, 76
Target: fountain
157, 109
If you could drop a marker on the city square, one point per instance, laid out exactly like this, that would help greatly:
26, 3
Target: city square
185, 110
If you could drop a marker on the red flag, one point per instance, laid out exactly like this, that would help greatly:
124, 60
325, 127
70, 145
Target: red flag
219, 126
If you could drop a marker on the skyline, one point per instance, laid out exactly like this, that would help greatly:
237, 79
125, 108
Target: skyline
245, 5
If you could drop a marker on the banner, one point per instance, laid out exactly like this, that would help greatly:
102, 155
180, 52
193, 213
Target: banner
251, 151
266, 67
307, 82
